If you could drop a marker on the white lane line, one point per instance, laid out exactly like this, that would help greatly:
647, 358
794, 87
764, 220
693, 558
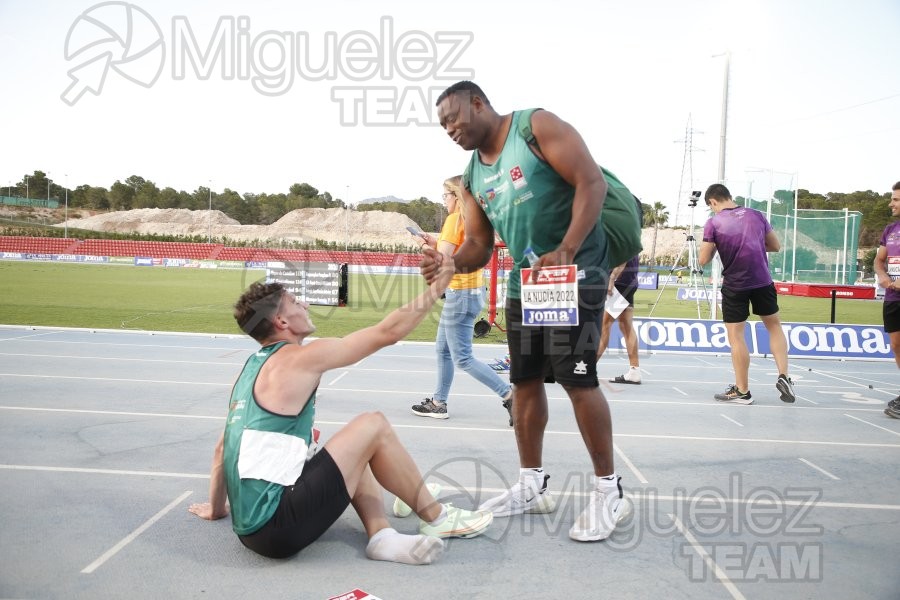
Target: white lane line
111, 412
692, 438
727, 418
104, 471
502, 430
721, 577
22, 337
872, 424
819, 469
647, 436
706, 362
338, 378
249, 349
630, 465
808, 400
849, 380
634, 493
679, 391
125, 359
134, 534
117, 379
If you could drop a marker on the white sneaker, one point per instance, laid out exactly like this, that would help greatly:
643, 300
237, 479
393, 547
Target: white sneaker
521, 498
459, 523
402, 509
606, 509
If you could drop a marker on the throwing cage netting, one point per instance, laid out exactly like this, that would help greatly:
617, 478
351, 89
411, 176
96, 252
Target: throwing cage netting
817, 246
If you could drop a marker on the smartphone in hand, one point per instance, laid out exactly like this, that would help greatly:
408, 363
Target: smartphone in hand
414, 231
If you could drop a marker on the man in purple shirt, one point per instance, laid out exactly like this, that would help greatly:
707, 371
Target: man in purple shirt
887, 270
742, 237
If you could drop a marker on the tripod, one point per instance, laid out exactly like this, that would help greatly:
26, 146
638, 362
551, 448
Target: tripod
696, 289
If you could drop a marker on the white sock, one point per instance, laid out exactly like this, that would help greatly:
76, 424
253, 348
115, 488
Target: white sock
391, 546
606, 482
440, 518
532, 476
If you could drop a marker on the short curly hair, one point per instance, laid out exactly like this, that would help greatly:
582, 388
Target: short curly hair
256, 307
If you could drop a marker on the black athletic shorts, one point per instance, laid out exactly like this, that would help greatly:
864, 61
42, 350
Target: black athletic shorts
306, 510
564, 355
891, 313
627, 292
736, 305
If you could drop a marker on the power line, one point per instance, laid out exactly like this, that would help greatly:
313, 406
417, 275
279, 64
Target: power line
833, 111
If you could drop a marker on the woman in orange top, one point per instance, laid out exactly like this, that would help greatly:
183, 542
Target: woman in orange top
464, 301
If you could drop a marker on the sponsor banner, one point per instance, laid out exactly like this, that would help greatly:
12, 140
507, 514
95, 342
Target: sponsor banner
375, 269
122, 260
231, 264
89, 258
696, 294
47, 257
816, 290
209, 264
175, 262
254, 264
143, 261
66, 257
648, 281
805, 340
12, 256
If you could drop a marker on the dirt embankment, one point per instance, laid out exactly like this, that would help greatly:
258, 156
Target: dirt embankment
303, 226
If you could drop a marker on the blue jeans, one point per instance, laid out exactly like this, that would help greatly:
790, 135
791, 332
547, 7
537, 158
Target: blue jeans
454, 343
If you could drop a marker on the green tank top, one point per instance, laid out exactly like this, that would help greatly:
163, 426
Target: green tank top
529, 204
253, 501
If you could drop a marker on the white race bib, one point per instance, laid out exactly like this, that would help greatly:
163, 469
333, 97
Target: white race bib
270, 456
553, 299
893, 267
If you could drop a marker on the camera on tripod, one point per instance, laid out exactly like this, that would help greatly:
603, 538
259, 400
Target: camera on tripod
695, 197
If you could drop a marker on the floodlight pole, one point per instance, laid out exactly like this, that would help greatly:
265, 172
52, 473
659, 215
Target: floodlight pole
794, 249
209, 216
724, 122
27, 197
723, 134
66, 228
844, 253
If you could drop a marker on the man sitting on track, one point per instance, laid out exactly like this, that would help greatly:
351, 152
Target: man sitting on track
281, 500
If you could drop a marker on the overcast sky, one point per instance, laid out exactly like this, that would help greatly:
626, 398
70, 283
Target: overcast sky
332, 94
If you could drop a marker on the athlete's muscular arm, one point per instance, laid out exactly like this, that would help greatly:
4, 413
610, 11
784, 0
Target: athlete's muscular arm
772, 242
564, 149
707, 251
217, 506
613, 276
880, 265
